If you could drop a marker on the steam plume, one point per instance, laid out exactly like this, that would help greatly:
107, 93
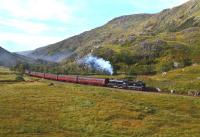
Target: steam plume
98, 64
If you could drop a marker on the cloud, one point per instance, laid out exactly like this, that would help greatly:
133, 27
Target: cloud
173, 3
29, 24
155, 5
26, 26
37, 9
26, 42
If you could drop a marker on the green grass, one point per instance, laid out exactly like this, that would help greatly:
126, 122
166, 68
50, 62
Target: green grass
34, 109
6, 75
180, 80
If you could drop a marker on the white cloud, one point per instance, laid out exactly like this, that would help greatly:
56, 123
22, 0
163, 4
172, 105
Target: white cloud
155, 5
27, 42
26, 26
37, 9
35, 20
29, 24
173, 3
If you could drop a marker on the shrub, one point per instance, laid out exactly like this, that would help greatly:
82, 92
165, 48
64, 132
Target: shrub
19, 78
165, 66
142, 70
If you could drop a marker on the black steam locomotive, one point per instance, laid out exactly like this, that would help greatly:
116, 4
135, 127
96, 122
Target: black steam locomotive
125, 84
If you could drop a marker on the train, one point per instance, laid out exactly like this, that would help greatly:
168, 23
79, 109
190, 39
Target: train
105, 82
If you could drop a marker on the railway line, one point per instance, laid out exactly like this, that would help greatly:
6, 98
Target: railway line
104, 82
138, 86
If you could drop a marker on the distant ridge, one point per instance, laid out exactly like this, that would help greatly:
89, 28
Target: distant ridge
11, 59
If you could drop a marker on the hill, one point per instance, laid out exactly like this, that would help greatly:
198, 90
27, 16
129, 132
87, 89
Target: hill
136, 44
85, 42
182, 81
9, 59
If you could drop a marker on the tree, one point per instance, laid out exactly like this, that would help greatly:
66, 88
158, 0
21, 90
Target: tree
20, 68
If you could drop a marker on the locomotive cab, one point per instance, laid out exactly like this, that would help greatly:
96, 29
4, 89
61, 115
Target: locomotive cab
138, 85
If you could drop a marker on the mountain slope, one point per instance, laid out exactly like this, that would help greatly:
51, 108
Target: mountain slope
183, 80
121, 29
140, 40
10, 59
85, 42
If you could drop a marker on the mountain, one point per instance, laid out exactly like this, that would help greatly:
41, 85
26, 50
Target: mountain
10, 59
161, 41
85, 42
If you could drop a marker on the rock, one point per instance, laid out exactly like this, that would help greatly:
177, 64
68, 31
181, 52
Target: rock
158, 89
159, 42
51, 84
195, 64
176, 64
197, 93
194, 93
172, 91
122, 41
131, 38
164, 73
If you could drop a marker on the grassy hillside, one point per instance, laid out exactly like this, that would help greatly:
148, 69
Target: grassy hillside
125, 30
33, 108
84, 43
136, 44
181, 80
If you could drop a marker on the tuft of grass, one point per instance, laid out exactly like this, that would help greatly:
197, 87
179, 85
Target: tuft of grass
19, 78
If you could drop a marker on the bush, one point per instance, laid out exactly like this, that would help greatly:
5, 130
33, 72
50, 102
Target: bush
19, 78
142, 70
165, 66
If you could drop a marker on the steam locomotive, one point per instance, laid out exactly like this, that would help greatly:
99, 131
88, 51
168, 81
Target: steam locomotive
122, 84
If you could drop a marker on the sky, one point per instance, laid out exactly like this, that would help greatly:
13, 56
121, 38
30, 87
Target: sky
29, 24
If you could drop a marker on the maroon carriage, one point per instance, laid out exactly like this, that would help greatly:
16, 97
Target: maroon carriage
51, 76
67, 78
92, 81
27, 72
39, 75
32, 74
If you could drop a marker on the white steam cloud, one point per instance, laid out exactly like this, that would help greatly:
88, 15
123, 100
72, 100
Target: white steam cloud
98, 64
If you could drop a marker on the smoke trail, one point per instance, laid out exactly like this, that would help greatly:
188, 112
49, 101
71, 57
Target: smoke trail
98, 64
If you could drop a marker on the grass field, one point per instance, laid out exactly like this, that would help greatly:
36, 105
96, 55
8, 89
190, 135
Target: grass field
181, 80
34, 109
5, 74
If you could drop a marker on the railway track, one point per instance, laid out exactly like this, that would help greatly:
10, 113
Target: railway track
116, 84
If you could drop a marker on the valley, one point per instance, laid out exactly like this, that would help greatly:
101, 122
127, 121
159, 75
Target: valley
33, 108
156, 53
